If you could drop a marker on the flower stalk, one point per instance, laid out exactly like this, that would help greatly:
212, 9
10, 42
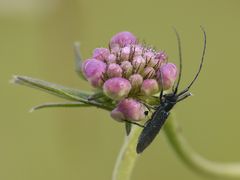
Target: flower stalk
127, 156
194, 160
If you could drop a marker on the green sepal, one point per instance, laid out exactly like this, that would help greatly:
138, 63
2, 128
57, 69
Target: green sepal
78, 60
128, 127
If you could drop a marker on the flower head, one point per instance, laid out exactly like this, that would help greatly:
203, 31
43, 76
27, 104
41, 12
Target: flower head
128, 70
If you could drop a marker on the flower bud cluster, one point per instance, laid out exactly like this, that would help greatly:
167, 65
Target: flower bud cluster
127, 69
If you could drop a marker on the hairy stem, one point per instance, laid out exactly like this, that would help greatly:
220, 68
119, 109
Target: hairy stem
195, 161
127, 156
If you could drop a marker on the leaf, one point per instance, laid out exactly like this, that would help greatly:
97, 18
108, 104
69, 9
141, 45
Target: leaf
65, 104
128, 127
96, 96
63, 92
58, 90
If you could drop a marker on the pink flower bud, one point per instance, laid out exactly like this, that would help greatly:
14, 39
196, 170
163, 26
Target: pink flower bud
93, 70
155, 63
117, 88
136, 81
162, 56
111, 59
125, 52
117, 115
169, 74
101, 53
129, 109
123, 39
138, 63
127, 68
138, 50
149, 87
114, 70
148, 55
148, 72
115, 48
96, 81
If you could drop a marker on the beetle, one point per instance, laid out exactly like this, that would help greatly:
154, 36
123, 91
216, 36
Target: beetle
167, 102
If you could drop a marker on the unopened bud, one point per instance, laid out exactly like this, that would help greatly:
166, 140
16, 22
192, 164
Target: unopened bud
101, 53
117, 115
149, 87
93, 70
111, 59
162, 56
114, 70
123, 39
127, 68
138, 64
129, 109
136, 81
148, 55
125, 52
138, 50
167, 75
148, 72
115, 48
155, 63
117, 88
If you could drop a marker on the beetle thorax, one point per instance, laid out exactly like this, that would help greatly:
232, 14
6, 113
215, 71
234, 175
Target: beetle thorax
168, 101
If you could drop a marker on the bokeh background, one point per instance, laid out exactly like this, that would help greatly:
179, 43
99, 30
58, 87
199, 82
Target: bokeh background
36, 39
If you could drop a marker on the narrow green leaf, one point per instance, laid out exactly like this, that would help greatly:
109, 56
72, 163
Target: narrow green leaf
63, 92
65, 104
58, 90
96, 96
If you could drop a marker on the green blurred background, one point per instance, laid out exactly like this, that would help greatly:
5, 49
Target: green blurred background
36, 38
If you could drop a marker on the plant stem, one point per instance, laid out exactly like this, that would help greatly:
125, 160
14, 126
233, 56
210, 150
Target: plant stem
195, 161
127, 156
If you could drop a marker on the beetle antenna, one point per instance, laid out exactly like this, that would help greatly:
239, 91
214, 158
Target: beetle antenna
180, 60
201, 63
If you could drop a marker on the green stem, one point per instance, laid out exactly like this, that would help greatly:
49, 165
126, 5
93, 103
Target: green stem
127, 156
195, 161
